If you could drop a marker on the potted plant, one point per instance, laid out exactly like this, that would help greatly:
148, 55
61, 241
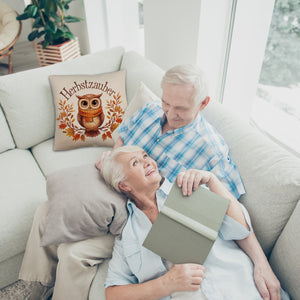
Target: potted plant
49, 25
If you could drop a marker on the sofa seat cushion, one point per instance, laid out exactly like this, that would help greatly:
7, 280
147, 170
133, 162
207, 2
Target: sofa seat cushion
34, 119
6, 141
22, 188
270, 174
51, 161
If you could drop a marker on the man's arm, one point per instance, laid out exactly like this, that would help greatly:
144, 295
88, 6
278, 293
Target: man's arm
264, 277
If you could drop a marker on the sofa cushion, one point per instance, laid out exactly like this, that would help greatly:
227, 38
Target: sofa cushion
140, 69
88, 108
285, 255
6, 141
270, 174
142, 96
82, 206
51, 161
22, 188
34, 120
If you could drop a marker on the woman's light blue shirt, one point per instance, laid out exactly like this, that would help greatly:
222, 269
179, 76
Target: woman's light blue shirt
229, 271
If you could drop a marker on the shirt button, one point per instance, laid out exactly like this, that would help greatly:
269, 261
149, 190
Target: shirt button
157, 140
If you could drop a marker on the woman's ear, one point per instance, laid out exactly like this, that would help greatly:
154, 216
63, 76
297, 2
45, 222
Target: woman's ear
124, 187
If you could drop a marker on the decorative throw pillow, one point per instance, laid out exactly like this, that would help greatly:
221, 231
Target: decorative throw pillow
82, 206
142, 96
88, 108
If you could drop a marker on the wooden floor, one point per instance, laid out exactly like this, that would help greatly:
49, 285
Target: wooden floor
23, 58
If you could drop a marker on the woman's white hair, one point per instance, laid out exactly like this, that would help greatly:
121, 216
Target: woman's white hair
112, 170
188, 74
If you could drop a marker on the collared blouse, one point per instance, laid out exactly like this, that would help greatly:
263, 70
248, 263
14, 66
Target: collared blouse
229, 271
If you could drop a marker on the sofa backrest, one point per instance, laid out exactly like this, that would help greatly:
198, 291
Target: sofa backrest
270, 174
26, 97
140, 69
6, 140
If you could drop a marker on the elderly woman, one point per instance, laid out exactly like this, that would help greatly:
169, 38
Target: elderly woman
137, 273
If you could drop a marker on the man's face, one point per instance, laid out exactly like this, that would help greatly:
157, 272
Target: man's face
179, 105
140, 170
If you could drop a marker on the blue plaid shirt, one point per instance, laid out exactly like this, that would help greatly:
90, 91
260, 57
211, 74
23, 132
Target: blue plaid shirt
195, 146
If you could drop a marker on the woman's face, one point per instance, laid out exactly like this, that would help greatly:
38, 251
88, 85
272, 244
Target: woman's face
140, 170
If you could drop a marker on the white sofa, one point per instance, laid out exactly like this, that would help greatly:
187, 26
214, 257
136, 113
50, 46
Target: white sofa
270, 174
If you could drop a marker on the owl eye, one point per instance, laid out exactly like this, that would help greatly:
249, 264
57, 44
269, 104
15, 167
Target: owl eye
84, 103
95, 102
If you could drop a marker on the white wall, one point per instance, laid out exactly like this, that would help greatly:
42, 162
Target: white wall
171, 31
95, 32
191, 31
123, 23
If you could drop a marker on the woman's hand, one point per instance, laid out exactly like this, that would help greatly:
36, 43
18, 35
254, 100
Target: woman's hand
183, 277
189, 180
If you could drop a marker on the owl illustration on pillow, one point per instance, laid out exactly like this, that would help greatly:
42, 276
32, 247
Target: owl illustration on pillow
90, 114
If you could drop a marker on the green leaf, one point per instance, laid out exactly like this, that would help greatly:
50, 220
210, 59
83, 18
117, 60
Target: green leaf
60, 5
41, 33
33, 35
51, 27
27, 8
45, 44
23, 16
42, 4
71, 19
32, 11
50, 6
70, 35
48, 37
64, 28
56, 17
37, 23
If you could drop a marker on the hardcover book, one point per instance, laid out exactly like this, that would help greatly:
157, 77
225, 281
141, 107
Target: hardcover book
187, 226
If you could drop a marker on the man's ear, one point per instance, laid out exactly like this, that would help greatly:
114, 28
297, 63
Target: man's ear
124, 187
204, 103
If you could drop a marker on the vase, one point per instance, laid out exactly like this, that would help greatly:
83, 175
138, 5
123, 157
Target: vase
53, 54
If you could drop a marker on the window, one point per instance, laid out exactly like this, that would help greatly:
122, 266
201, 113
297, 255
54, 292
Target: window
276, 108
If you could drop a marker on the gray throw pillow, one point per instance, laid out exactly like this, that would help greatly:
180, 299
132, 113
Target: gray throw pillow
81, 206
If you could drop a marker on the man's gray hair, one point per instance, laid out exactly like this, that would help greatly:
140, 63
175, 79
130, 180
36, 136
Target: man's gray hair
112, 170
188, 74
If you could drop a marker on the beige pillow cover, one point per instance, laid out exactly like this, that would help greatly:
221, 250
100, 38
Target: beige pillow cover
82, 206
88, 108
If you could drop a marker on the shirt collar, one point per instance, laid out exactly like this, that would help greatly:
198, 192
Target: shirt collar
161, 195
181, 130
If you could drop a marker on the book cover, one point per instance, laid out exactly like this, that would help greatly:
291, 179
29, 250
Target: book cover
187, 226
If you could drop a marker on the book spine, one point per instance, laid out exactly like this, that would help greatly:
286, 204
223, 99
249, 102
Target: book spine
189, 223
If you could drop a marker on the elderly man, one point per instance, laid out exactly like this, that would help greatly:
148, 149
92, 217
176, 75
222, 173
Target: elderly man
137, 273
176, 135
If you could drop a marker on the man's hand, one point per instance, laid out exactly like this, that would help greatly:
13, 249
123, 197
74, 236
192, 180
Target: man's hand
266, 282
101, 159
189, 180
183, 277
